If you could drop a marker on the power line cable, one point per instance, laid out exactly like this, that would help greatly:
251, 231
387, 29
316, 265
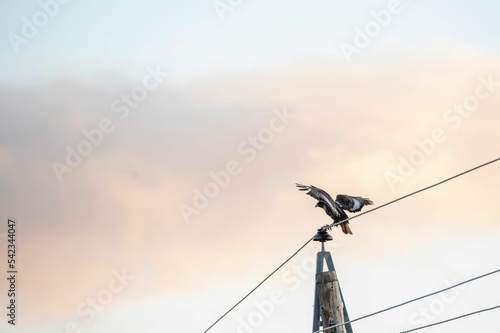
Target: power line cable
343, 221
451, 319
410, 301
251, 291
413, 193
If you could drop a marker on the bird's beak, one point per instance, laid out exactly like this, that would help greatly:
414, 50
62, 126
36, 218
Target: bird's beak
316, 206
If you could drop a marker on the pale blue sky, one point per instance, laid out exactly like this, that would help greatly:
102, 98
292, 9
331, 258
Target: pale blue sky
88, 38
352, 125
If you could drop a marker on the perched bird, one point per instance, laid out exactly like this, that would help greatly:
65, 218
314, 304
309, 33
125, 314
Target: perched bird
335, 209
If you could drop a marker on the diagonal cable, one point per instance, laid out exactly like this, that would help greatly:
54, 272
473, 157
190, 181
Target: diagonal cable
454, 318
251, 291
412, 300
343, 221
329, 226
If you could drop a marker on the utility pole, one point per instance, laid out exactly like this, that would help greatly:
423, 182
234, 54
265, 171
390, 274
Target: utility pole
329, 306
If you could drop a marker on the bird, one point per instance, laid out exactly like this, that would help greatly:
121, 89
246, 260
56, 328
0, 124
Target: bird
335, 209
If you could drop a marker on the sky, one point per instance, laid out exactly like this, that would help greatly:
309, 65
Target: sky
149, 153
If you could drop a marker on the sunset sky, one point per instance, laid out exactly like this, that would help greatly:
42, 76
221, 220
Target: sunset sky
149, 152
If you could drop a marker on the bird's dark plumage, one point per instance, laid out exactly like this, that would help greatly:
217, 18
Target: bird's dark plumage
335, 209
352, 204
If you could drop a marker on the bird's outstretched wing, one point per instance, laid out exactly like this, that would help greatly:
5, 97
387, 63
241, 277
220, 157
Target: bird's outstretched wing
352, 204
322, 196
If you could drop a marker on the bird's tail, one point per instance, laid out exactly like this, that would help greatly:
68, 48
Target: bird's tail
345, 228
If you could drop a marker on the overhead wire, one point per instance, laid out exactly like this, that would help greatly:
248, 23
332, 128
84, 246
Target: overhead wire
451, 319
413, 193
346, 220
251, 291
410, 301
